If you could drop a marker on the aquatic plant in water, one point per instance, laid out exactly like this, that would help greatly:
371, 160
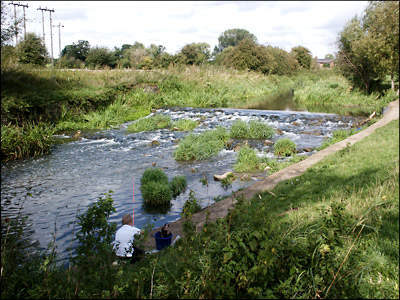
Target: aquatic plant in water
202, 146
285, 147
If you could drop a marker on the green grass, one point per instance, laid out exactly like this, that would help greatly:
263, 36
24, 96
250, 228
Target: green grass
24, 141
201, 146
178, 185
247, 160
151, 123
255, 129
285, 147
332, 232
184, 124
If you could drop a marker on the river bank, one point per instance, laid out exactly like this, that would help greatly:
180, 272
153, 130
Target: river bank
37, 103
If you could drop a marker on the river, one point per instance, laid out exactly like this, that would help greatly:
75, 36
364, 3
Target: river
79, 170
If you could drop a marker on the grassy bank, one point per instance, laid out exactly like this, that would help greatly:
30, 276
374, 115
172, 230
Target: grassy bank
100, 99
333, 232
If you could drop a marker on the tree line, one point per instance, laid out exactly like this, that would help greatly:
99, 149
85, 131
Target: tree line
368, 51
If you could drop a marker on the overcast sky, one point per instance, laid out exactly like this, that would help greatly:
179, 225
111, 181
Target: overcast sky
173, 24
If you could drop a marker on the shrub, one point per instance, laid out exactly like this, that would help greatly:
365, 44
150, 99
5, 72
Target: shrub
247, 160
284, 147
156, 193
184, 124
178, 185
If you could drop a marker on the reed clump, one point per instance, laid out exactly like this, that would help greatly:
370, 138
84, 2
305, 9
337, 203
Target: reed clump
285, 147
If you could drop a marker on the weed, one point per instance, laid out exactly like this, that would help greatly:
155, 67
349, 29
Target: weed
201, 146
247, 160
150, 123
184, 124
284, 147
178, 185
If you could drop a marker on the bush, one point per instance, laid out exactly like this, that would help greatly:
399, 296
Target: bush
284, 147
156, 193
178, 185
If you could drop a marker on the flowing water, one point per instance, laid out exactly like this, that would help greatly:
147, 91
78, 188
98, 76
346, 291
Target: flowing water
79, 170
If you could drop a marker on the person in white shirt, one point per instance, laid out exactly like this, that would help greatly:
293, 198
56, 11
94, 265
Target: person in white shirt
124, 237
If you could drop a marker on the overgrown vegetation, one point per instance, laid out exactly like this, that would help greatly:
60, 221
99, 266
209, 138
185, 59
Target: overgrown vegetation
155, 188
150, 123
285, 147
332, 232
255, 129
178, 185
184, 124
201, 146
247, 160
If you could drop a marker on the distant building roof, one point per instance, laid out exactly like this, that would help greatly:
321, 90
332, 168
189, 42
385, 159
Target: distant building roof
325, 60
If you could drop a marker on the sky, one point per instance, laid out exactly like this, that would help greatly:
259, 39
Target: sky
173, 24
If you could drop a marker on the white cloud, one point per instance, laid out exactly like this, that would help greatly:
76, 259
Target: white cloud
286, 24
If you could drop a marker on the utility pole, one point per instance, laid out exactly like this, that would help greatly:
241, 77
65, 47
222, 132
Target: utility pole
15, 21
59, 40
43, 9
24, 6
51, 31
51, 35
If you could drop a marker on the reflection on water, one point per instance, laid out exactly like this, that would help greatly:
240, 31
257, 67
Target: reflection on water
283, 101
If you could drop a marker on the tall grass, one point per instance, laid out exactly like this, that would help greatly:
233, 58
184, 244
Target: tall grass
335, 90
24, 141
150, 123
203, 145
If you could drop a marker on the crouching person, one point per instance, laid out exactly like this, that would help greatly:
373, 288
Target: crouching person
124, 238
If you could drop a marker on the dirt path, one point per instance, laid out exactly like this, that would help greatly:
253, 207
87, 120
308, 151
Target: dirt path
220, 209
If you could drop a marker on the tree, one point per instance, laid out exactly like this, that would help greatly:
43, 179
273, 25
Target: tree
232, 37
381, 24
368, 47
248, 55
32, 50
8, 26
284, 62
100, 56
194, 53
78, 50
303, 56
